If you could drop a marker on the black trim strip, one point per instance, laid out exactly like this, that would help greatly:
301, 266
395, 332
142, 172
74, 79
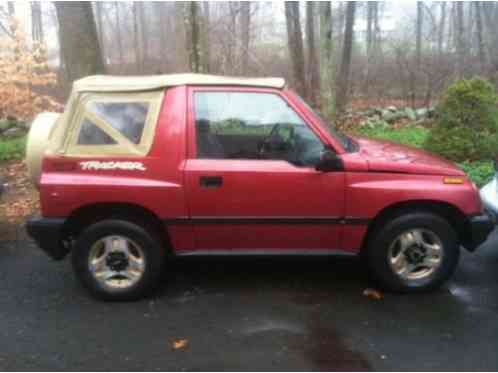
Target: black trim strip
265, 252
269, 220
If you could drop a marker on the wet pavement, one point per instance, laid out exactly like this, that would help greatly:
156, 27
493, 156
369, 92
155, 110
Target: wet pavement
247, 314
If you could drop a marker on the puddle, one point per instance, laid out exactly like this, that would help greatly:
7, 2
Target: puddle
327, 349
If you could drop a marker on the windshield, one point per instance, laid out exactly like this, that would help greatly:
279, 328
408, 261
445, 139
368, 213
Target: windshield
344, 139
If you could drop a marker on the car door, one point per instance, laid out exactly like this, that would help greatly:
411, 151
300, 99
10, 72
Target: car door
250, 175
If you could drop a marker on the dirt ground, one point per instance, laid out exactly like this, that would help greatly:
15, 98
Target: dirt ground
19, 202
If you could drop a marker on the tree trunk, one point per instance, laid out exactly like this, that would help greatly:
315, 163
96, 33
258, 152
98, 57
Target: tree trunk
100, 27
415, 72
327, 66
442, 24
295, 44
36, 22
245, 23
343, 79
460, 40
191, 21
313, 88
118, 33
479, 34
161, 9
371, 11
205, 47
78, 36
11, 8
144, 37
136, 43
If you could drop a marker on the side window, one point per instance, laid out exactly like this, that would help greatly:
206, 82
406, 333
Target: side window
246, 125
90, 134
128, 118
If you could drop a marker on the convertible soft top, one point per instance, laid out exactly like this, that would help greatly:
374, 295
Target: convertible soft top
109, 83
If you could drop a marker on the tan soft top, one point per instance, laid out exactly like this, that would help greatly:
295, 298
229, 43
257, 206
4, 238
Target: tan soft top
109, 83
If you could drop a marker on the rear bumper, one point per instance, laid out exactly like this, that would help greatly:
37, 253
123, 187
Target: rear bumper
47, 234
481, 227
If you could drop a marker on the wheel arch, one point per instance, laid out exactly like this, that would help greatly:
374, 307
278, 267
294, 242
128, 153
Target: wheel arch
445, 210
93, 213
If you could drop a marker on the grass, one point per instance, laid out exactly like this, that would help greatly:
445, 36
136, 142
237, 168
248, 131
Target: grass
480, 172
12, 149
414, 136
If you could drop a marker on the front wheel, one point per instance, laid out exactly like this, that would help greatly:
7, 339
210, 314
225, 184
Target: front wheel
413, 252
117, 260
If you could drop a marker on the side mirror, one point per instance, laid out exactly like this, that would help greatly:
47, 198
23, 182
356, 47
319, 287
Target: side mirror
329, 162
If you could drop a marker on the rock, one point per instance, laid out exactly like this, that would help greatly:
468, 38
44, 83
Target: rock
392, 108
410, 113
14, 132
421, 113
392, 117
5, 125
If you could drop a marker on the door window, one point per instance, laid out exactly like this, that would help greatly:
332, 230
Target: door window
248, 125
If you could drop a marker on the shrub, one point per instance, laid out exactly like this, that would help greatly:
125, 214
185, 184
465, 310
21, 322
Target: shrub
466, 126
480, 172
12, 149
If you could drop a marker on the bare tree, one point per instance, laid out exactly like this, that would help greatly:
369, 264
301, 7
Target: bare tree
344, 72
205, 24
295, 44
479, 35
313, 75
460, 42
118, 32
78, 37
371, 38
245, 23
191, 22
136, 42
36, 22
99, 10
327, 65
442, 24
11, 8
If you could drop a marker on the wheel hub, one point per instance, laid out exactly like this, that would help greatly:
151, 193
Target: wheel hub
415, 255
117, 261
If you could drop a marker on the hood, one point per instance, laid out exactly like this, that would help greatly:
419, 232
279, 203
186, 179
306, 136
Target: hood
385, 156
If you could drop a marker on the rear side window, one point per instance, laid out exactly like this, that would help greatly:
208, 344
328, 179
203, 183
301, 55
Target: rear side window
90, 134
126, 117
113, 123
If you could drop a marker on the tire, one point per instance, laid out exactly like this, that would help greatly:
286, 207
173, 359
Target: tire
139, 249
386, 257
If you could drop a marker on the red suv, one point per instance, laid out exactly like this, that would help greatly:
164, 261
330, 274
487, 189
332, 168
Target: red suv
138, 169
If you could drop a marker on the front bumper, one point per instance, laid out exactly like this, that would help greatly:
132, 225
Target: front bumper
481, 227
47, 234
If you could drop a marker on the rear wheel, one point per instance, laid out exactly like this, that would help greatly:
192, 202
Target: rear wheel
118, 260
413, 252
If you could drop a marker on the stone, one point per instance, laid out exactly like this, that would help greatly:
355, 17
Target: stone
421, 113
410, 113
5, 125
392, 117
14, 132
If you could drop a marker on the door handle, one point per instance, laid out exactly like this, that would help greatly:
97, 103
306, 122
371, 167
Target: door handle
211, 181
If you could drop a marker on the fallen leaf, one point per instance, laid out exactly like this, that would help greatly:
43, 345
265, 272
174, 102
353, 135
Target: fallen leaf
180, 344
373, 294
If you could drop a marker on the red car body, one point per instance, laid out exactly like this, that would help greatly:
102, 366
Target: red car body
268, 205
